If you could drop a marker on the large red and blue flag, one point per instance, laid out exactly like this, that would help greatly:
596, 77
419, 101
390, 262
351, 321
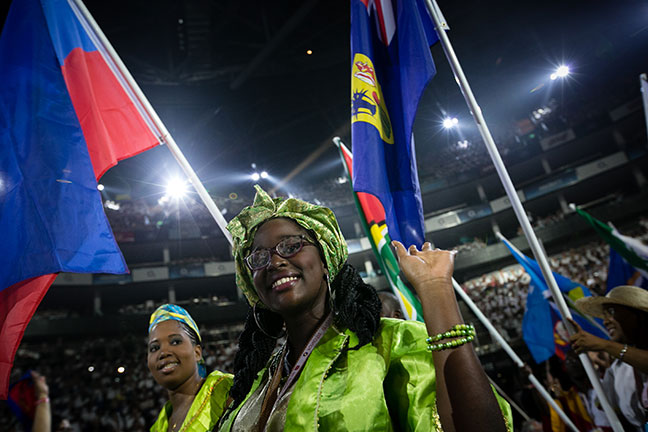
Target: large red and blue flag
64, 120
391, 65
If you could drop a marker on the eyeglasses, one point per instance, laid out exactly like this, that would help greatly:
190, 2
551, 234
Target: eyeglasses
608, 310
286, 248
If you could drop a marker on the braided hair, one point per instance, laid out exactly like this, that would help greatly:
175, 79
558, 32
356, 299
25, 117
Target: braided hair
357, 308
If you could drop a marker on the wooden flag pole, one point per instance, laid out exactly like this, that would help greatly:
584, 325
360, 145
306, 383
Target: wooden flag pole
540, 257
145, 108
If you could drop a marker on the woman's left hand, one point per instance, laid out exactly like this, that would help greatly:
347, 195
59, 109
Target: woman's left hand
427, 266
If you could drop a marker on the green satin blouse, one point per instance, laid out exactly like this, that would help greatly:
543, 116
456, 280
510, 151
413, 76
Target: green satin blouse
205, 410
386, 385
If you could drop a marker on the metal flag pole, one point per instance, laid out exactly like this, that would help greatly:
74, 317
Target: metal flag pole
643, 81
494, 333
462, 82
567, 299
516, 359
145, 108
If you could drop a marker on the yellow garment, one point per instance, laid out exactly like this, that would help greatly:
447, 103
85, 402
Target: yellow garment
206, 409
575, 410
388, 384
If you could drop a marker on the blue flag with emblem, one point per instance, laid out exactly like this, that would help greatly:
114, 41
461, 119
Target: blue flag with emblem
539, 328
391, 65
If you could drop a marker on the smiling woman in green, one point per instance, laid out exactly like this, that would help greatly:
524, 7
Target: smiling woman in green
342, 366
196, 400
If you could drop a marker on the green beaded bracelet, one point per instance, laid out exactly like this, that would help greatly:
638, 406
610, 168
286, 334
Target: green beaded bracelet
455, 343
454, 331
465, 332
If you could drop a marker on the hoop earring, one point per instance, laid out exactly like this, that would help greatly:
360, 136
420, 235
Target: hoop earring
258, 324
331, 303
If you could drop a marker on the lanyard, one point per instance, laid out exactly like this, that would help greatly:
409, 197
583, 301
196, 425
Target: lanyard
314, 340
269, 399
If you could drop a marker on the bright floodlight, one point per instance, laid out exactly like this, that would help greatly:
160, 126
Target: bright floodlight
176, 188
264, 174
450, 122
255, 176
121, 369
100, 187
561, 72
91, 369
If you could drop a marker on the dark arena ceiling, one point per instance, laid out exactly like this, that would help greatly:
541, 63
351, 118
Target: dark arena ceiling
235, 85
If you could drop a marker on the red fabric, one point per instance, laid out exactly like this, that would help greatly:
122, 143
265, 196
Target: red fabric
371, 206
112, 126
23, 397
17, 305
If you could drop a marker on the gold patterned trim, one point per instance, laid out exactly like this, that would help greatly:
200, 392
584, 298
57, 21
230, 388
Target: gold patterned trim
202, 406
509, 428
436, 420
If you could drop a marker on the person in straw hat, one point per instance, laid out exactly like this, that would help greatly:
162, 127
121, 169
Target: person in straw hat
625, 315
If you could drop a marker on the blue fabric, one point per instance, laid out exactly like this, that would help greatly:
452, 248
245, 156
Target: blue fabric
537, 323
621, 272
22, 400
51, 214
65, 29
402, 70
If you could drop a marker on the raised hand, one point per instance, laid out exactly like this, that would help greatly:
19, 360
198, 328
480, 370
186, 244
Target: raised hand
581, 341
425, 267
41, 389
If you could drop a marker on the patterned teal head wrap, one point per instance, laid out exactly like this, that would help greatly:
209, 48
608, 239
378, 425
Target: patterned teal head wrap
318, 219
177, 313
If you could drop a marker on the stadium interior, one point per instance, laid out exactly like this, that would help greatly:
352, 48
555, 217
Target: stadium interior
236, 86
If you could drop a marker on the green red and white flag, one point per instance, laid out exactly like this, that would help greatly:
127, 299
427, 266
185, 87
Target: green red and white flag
631, 249
372, 215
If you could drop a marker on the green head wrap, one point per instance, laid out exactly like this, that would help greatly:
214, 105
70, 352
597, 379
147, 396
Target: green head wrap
320, 220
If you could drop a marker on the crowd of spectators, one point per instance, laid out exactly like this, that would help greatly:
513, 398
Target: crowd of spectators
103, 384
147, 307
501, 295
470, 245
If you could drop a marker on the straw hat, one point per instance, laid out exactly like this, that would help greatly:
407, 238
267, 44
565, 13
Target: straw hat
626, 295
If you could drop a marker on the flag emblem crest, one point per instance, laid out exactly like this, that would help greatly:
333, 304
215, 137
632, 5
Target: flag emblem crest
367, 102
